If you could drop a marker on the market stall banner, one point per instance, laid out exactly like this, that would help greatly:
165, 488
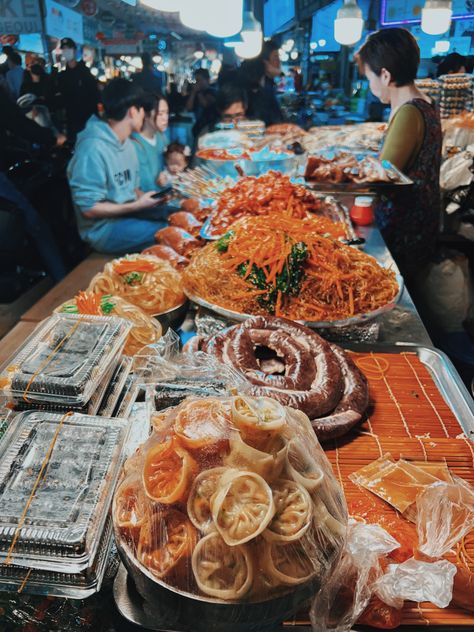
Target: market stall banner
63, 22
20, 16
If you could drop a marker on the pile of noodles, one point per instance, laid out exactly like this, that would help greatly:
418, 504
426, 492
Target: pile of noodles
338, 281
150, 283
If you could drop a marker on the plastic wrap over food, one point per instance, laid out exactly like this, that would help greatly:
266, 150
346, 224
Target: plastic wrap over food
170, 377
346, 595
231, 501
415, 580
445, 514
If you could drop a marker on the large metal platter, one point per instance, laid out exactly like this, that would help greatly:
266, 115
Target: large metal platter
444, 375
313, 324
364, 187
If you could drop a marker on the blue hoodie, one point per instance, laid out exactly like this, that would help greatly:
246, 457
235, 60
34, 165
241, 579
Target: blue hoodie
102, 169
150, 159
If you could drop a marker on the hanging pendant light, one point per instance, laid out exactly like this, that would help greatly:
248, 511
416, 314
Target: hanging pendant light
252, 37
436, 16
225, 19
195, 15
163, 5
348, 24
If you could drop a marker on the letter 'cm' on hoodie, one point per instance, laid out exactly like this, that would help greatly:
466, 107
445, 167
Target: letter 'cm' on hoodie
102, 169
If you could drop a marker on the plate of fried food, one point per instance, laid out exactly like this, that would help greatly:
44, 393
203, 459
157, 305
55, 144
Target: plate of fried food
340, 170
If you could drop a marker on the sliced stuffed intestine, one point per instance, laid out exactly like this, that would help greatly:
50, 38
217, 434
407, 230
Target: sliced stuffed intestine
266, 460
293, 512
288, 564
242, 506
220, 570
300, 467
199, 501
257, 415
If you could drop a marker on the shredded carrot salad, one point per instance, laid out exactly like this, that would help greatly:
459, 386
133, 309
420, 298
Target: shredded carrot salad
272, 194
283, 266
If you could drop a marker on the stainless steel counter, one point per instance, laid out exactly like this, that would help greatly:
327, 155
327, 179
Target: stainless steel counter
403, 324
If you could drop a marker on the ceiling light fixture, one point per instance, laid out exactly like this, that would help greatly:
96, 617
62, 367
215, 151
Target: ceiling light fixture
252, 37
436, 16
348, 24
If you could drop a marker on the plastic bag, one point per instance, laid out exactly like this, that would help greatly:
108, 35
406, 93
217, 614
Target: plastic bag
343, 599
445, 514
456, 171
415, 580
447, 293
232, 501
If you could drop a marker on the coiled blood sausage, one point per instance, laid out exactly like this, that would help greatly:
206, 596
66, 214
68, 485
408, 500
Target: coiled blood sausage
294, 365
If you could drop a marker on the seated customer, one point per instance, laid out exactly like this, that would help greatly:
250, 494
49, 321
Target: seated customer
150, 143
103, 174
231, 107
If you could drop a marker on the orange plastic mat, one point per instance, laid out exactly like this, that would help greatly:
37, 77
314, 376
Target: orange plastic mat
409, 418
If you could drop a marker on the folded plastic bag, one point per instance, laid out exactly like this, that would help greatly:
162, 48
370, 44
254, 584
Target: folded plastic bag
445, 514
415, 580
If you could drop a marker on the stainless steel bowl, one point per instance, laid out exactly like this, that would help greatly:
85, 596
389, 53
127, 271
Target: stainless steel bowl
173, 318
207, 614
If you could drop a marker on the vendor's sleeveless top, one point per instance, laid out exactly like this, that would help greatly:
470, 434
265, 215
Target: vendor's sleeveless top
409, 217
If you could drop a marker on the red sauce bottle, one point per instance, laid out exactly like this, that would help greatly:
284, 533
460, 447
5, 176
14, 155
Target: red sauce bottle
362, 212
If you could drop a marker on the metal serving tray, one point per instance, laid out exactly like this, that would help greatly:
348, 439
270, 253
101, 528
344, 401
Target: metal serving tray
312, 324
363, 187
444, 375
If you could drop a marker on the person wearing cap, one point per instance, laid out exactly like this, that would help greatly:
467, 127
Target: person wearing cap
77, 89
114, 215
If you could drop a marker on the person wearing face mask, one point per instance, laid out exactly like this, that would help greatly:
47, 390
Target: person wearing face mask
113, 214
37, 82
408, 219
77, 89
150, 143
272, 69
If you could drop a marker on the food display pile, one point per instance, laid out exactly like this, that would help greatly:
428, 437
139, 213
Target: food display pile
285, 267
231, 498
248, 470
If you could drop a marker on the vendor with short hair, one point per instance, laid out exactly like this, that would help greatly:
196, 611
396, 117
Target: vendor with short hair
409, 217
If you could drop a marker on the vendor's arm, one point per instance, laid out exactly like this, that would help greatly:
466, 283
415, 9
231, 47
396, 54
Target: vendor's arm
404, 137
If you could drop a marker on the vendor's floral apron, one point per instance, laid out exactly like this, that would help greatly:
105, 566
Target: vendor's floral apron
409, 217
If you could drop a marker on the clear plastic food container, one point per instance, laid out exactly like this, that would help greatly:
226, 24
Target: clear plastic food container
115, 387
79, 585
65, 359
64, 522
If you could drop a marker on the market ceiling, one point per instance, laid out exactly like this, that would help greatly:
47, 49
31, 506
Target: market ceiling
148, 20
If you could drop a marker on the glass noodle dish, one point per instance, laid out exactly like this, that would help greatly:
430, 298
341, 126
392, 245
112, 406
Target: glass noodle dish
150, 283
230, 500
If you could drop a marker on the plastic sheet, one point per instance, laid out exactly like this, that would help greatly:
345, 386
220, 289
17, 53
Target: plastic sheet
344, 598
416, 580
170, 377
445, 514
214, 508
